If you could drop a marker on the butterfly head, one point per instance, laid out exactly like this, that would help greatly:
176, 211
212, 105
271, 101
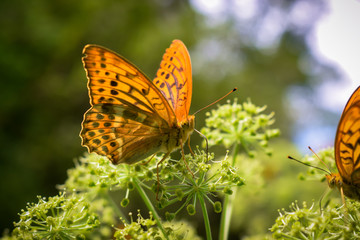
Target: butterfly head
334, 180
350, 190
187, 126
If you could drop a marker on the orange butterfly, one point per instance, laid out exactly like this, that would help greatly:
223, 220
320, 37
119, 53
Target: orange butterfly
347, 150
132, 118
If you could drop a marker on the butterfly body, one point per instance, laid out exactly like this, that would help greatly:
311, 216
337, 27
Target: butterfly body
132, 117
347, 150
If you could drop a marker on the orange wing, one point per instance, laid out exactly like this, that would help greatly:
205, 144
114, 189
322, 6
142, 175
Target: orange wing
355, 97
347, 141
174, 79
129, 116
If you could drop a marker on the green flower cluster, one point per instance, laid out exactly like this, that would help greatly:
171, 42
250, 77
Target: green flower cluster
243, 124
146, 228
57, 217
210, 178
98, 193
333, 222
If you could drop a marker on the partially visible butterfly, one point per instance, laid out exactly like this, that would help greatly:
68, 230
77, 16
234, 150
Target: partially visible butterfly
347, 150
132, 117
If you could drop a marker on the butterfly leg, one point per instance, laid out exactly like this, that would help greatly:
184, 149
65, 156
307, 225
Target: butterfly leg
157, 174
346, 212
191, 151
144, 163
183, 156
343, 196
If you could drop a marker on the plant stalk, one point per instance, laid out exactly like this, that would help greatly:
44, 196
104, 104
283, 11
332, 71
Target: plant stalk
228, 205
206, 217
149, 205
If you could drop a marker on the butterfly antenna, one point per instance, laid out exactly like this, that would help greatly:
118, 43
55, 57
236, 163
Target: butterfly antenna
216, 101
289, 157
319, 158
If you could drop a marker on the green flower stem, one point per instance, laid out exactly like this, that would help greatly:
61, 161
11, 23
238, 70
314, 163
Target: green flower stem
149, 206
236, 151
206, 217
228, 205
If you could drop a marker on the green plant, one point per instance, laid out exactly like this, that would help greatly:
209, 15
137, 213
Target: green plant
58, 217
332, 222
329, 220
95, 198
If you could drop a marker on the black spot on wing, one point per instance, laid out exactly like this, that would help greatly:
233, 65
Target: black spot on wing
113, 83
114, 92
99, 116
108, 108
105, 149
105, 137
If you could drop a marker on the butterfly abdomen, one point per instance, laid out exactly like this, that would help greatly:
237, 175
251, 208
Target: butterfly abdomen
351, 191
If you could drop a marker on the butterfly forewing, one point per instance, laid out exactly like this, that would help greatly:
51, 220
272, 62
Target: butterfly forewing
129, 118
347, 141
174, 79
114, 80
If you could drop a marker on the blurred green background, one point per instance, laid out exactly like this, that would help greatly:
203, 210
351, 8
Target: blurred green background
260, 47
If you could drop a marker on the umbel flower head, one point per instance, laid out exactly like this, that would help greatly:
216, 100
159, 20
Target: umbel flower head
243, 124
57, 217
333, 222
145, 228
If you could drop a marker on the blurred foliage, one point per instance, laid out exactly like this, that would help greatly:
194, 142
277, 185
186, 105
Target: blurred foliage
262, 50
